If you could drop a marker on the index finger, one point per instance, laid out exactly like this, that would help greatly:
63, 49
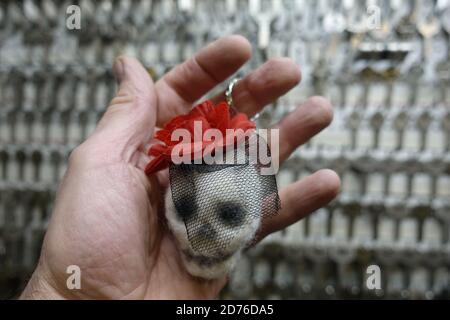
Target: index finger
192, 79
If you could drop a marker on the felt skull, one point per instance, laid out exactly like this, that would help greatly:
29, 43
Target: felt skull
214, 211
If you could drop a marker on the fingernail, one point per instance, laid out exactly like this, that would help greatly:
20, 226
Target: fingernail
118, 69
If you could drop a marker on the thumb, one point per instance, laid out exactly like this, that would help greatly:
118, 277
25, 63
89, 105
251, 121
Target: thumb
130, 118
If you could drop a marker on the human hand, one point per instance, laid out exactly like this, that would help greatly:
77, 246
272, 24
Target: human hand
108, 217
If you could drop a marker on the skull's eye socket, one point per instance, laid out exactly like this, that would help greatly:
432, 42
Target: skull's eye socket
231, 213
186, 207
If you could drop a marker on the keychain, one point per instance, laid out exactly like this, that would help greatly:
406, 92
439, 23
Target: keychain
213, 208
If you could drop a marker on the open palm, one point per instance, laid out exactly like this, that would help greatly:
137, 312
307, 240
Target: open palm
108, 217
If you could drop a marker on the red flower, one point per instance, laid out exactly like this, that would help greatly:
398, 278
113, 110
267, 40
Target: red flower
210, 117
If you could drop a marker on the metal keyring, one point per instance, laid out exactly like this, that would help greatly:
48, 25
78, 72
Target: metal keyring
229, 92
229, 97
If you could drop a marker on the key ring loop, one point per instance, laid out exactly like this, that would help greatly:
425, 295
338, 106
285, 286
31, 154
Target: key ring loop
229, 97
229, 92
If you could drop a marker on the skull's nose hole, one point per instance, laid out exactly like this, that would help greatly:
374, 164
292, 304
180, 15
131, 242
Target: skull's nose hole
206, 231
231, 213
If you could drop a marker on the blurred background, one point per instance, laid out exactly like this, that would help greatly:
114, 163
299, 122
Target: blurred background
385, 65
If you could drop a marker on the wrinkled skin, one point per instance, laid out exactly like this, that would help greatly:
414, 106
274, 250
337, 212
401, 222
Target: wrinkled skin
108, 215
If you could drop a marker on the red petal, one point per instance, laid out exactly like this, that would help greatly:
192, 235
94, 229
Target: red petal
156, 150
155, 165
176, 122
168, 152
204, 109
191, 126
222, 117
163, 136
238, 118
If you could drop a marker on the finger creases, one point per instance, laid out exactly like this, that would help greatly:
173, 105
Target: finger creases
302, 198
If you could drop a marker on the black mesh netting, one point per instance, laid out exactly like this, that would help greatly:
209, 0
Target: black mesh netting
222, 205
